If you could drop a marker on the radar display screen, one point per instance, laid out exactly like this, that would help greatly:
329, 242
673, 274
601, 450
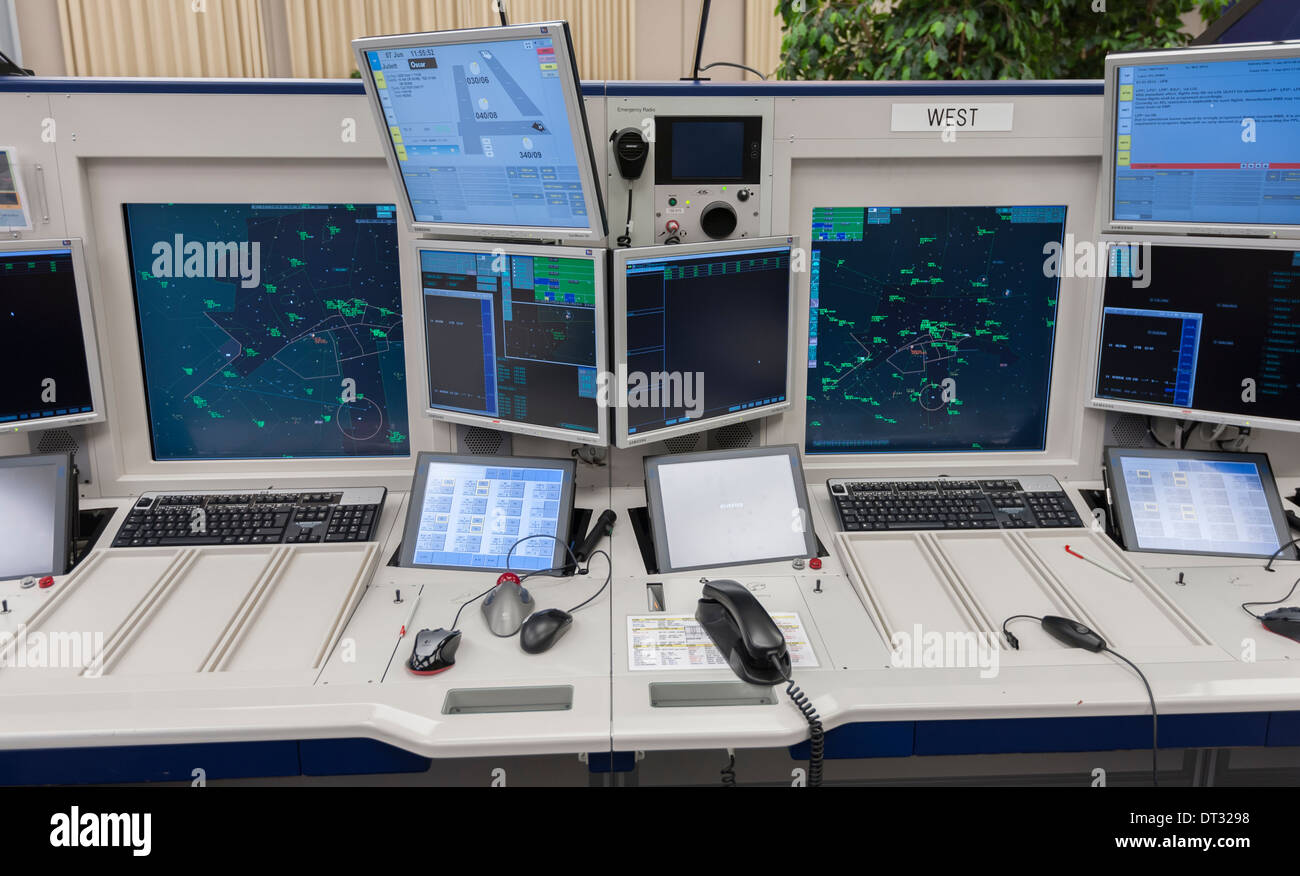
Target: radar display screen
931, 328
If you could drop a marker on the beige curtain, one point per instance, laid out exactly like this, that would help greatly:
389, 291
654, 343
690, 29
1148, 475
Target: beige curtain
762, 37
321, 31
216, 38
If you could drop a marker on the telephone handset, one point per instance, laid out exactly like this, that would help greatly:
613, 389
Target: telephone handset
744, 632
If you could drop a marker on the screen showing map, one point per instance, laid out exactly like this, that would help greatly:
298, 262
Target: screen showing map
482, 133
931, 328
270, 331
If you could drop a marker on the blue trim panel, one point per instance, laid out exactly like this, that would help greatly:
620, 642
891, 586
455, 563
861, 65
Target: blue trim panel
91, 85
153, 763
1046, 735
1002, 87
357, 757
1005, 87
611, 762
884, 739
1284, 729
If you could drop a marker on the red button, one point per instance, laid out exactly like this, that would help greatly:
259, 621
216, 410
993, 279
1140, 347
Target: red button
814, 564
45, 583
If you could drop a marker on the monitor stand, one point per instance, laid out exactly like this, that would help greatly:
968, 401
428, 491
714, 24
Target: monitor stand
477, 441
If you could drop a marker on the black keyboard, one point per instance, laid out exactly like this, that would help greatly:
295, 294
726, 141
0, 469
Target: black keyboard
270, 517
878, 505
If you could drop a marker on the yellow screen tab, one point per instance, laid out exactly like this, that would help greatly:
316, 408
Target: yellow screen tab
550, 66
1122, 159
1125, 142
401, 152
1126, 92
396, 133
380, 81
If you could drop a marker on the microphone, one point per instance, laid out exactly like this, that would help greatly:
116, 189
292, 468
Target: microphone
604, 526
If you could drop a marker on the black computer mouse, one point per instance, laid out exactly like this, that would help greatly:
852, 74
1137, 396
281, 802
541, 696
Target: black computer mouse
1284, 622
543, 629
434, 652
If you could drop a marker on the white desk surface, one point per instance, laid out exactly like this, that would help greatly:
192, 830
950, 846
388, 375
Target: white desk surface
361, 688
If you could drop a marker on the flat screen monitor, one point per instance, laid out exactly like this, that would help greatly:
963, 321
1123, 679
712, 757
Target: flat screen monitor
47, 331
931, 329
270, 331
1204, 141
703, 336
728, 508
36, 508
474, 512
1185, 502
515, 338
1206, 332
486, 132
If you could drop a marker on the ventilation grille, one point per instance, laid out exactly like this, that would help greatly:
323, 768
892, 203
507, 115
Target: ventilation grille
482, 442
1129, 430
734, 437
57, 441
682, 444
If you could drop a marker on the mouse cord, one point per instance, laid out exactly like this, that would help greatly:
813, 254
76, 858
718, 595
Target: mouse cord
524, 578
1155, 737
816, 735
1274, 602
609, 576
468, 604
1268, 567
1007, 634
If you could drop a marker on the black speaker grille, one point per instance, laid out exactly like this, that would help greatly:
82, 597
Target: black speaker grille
57, 441
483, 442
682, 444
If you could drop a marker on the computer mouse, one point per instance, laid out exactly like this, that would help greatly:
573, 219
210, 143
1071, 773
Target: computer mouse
506, 607
434, 652
542, 630
1284, 622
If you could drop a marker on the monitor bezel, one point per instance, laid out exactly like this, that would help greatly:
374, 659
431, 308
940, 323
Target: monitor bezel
64, 508
1120, 507
88, 338
1097, 316
620, 383
658, 520
598, 256
414, 505
1160, 57
597, 226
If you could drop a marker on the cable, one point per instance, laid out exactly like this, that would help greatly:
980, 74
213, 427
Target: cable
1006, 634
729, 771
525, 577
1155, 735
1274, 602
737, 66
1268, 567
501, 8
609, 576
626, 240
816, 735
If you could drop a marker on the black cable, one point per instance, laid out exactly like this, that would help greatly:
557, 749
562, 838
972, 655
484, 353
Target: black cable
1006, 634
528, 575
1274, 602
816, 735
729, 772
501, 9
626, 240
1268, 567
1155, 735
733, 64
609, 576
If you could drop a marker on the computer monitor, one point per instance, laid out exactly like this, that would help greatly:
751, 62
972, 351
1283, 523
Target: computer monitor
486, 132
515, 338
1204, 141
931, 329
703, 336
47, 331
1204, 330
489, 514
36, 508
1187, 502
270, 331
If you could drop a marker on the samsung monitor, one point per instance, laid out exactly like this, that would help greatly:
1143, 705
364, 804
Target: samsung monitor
270, 331
515, 338
728, 508
47, 331
37, 504
1186, 502
931, 329
486, 132
1204, 141
1201, 330
703, 336
489, 514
